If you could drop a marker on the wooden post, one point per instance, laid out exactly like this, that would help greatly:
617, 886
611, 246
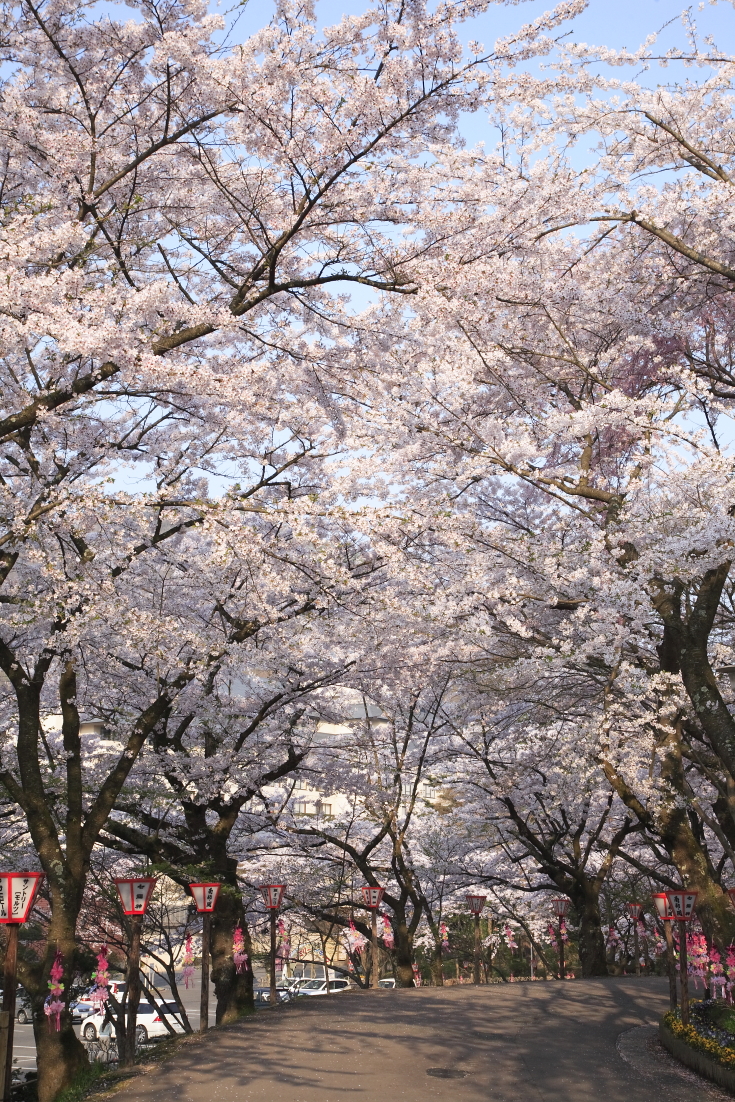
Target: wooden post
476, 969
273, 994
670, 964
562, 968
7, 1015
133, 991
204, 997
683, 976
374, 954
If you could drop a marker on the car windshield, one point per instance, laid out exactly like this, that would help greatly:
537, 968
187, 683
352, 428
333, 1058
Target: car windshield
313, 985
145, 1008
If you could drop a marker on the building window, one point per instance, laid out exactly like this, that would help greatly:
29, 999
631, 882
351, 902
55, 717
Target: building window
301, 808
301, 786
429, 792
324, 810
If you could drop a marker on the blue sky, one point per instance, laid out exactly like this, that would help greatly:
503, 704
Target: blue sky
615, 23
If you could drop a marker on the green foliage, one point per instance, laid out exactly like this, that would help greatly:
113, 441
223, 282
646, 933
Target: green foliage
86, 1080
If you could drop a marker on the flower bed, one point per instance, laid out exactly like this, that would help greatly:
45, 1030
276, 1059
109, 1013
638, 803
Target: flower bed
715, 1043
702, 1046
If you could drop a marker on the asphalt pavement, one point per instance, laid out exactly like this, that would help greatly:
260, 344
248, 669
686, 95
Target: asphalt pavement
578, 1041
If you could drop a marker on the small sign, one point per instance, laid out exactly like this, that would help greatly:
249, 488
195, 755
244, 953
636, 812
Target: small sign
372, 897
272, 895
476, 903
682, 904
17, 893
205, 896
135, 893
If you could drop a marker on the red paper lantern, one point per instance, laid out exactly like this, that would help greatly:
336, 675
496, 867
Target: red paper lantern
682, 904
476, 903
273, 895
561, 906
17, 893
205, 896
634, 909
372, 897
662, 906
135, 893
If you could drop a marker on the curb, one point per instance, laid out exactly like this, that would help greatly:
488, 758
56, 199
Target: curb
697, 1061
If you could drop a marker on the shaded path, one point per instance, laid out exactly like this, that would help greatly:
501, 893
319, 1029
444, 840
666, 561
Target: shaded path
580, 1041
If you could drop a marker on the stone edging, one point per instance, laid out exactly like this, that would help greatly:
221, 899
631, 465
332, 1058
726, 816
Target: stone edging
696, 1060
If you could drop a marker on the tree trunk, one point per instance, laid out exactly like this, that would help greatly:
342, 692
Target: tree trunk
404, 953
234, 991
437, 967
591, 940
61, 1056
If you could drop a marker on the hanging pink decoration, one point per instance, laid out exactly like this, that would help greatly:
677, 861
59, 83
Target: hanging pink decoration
387, 932
416, 975
99, 994
510, 938
355, 940
284, 948
54, 1003
552, 936
730, 967
444, 934
188, 962
563, 928
697, 958
239, 955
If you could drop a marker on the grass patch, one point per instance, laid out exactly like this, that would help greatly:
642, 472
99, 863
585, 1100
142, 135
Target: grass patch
86, 1080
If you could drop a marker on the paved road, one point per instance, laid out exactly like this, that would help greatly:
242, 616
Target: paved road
580, 1041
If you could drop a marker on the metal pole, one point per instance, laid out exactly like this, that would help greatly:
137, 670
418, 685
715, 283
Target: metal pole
670, 964
374, 960
476, 973
204, 997
273, 994
562, 969
7, 1015
133, 991
636, 948
683, 976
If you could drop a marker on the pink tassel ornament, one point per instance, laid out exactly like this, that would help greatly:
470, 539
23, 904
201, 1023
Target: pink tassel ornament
188, 962
54, 1003
100, 992
239, 955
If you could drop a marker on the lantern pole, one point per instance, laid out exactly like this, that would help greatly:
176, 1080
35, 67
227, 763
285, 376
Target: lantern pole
374, 952
562, 965
204, 995
671, 964
664, 913
133, 991
7, 1015
273, 957
17, 893
636, 948
683, 972
476, 968
682, 905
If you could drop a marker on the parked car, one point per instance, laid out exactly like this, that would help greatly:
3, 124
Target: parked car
23, 1012
83, 1006
263, 994
319, 987
387, 983
149, 1022
81, 1009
